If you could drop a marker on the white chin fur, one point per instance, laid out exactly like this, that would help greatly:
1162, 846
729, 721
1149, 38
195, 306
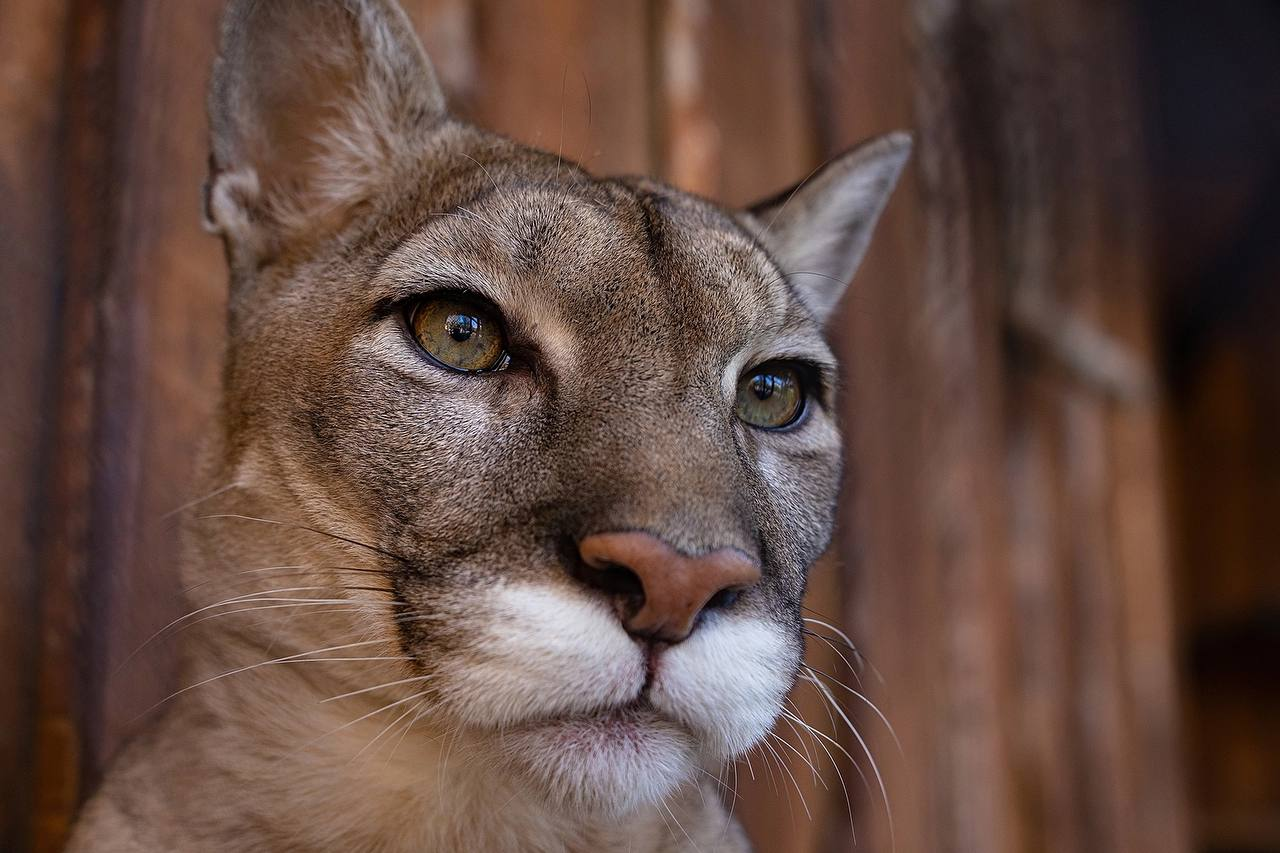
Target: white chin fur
608, 766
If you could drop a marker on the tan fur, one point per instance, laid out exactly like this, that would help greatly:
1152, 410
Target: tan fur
363, 503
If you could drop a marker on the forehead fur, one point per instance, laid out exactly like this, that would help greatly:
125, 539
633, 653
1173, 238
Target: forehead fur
539, 236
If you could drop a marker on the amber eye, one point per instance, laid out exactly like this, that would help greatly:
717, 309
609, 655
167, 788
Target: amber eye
771, 396
459, 332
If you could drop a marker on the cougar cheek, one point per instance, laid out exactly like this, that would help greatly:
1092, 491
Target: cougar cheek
727, 682
536, 652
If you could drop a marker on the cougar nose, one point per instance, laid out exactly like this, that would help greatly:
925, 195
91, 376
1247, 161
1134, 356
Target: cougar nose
675, 587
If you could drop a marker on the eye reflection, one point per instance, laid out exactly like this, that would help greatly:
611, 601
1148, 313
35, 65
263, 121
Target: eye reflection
462, 326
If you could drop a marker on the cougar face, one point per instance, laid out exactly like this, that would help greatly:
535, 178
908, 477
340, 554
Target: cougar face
579, 432
602, 560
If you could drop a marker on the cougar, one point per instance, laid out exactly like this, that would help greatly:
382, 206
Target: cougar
514, 485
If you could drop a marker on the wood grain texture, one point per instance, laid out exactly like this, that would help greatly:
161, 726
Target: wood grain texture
161, 330
571, 77
32, 41
58, 781
1037, 682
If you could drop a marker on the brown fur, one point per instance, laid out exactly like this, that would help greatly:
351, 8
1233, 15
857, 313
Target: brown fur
433, 517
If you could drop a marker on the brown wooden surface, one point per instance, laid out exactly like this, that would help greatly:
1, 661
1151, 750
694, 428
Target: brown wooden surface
1002, 558
1007, 519
31, 45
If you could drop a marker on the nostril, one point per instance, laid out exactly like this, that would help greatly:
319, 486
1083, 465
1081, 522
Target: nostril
725, 598
613, 578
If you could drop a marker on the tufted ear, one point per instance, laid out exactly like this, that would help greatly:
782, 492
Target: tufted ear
313, 106
819, 230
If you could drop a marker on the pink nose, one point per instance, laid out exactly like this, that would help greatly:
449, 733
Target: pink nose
675, 587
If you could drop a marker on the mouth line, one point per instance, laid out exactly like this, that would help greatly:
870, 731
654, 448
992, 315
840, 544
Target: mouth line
633, 709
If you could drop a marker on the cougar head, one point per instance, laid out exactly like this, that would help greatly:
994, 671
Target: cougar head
583, 428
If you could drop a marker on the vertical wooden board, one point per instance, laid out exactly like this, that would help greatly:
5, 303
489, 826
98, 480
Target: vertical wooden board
1139, 529
32, 44
1130, 775
922, 333
1051, 247
162, 324
448, 32
1046, 658
863, 82
66, 525
569, 77
1002, 94
735, 97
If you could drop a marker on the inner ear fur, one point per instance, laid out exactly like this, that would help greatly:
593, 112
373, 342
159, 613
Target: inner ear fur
314, 106
819, 229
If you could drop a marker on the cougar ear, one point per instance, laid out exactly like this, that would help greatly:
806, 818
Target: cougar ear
313, 106
819, 229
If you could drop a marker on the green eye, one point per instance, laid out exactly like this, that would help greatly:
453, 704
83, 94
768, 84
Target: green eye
771, 396
459, 332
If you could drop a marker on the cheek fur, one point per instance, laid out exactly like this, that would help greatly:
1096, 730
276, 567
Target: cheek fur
726, 682
536, 652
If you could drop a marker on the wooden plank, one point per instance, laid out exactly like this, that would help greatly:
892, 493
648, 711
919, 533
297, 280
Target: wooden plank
570, 77
142, 330
32, 45
448, 31
1035, 586
734, 112
921, 333
1107, 279
66, 526
162, 310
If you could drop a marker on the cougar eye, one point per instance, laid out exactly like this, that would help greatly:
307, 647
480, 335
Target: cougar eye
771, 396
459, 332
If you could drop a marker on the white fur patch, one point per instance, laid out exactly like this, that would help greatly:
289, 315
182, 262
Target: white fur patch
541, 652
610, 765
557, 677
726, 682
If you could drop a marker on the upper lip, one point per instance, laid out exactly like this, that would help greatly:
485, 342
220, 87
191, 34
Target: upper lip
650, 667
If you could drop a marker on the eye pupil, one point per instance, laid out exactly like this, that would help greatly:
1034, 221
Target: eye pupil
763, 385
461, 327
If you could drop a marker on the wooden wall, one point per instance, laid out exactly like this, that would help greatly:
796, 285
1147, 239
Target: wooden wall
1002, 555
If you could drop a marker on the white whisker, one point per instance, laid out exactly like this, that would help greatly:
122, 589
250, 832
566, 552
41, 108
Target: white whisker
875, 769
194, 503
375, 687
872, 705
814, 735
362, 718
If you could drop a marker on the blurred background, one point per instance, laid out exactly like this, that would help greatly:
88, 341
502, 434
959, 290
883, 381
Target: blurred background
1060, 545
